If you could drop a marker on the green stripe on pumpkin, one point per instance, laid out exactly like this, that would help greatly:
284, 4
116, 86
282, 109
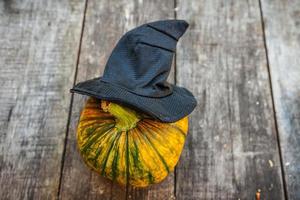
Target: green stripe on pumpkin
127, 159
118, 134
135, 155
154, 148
91, 141
151, 178
153, 125
115, 170
95, 124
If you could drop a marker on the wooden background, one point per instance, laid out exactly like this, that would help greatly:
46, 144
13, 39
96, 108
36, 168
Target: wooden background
241, 59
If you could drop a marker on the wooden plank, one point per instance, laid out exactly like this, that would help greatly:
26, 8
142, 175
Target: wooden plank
282, 31
38, 52
106, 21
231, 148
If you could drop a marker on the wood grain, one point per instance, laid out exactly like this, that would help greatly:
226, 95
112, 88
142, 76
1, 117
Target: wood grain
231, 148
106, 21
38, 48
282, 31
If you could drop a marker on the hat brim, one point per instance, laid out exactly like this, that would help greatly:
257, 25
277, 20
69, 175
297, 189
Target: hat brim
170, 108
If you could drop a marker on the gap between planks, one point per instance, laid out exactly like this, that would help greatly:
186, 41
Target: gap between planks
71, 101
273, 103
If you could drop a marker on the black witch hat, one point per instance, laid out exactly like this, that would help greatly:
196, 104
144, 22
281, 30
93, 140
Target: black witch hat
137, 71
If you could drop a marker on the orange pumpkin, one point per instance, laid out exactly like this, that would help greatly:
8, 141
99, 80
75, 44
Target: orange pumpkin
126, 146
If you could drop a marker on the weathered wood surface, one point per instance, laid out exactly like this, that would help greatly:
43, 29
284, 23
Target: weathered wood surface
38, 52
105, 22
231, 150
282, 31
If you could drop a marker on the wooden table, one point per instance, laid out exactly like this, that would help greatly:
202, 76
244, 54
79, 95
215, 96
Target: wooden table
241, 59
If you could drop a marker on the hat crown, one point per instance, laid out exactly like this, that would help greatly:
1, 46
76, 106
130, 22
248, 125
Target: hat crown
142, 59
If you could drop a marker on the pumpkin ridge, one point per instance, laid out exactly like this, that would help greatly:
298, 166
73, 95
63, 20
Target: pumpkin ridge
136, 161
97, 126
95, 138
154, 148
99, 150
157, 135
136, 136
115, 165
118, 134
181, 131
173, 126
115, 160
127, 159
170, 147
83, 136
151, 178
89, 159
142, 178
142, 139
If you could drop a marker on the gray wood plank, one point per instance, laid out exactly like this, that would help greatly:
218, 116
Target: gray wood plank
282, 31
231, 148
38, 52
106, 21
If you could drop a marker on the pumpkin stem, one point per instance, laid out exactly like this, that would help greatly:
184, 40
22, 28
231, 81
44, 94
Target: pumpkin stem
126, 118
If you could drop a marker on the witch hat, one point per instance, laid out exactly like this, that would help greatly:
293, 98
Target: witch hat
136, 73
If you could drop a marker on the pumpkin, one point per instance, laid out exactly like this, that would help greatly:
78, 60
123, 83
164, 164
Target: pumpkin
127, 146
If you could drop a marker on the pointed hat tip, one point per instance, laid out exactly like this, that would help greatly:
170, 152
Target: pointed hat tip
175, 28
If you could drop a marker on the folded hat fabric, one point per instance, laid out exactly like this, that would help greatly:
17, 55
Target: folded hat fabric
136, 73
